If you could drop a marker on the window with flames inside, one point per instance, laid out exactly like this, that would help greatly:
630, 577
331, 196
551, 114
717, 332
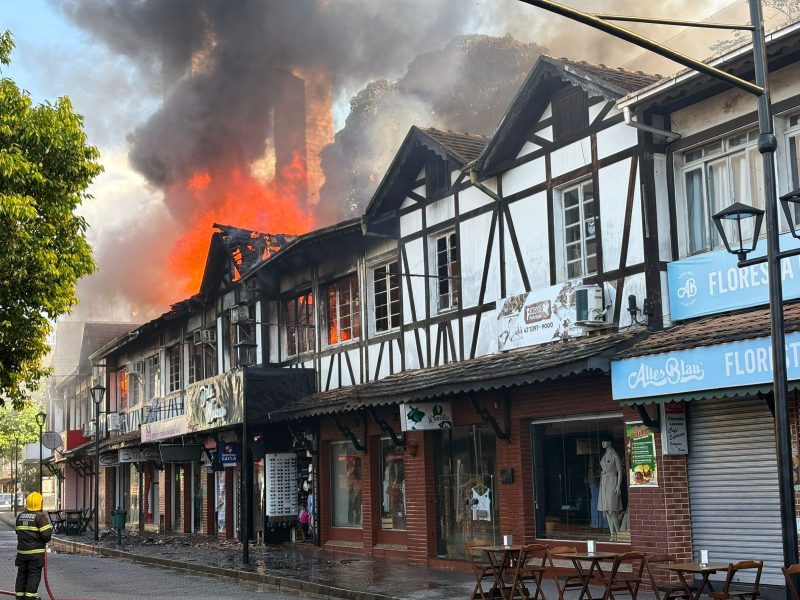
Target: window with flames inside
343, 310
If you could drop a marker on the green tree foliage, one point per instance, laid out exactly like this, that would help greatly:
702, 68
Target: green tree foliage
18, 424
46, 166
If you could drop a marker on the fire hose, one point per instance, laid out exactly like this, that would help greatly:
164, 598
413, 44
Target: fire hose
46, 584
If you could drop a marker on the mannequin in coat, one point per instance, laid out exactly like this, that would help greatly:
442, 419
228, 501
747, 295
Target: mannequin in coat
609, 501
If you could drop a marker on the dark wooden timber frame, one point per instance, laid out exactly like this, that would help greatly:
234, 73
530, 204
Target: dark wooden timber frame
489, 419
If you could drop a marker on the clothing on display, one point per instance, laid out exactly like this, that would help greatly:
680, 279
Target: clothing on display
609, 499
481, 505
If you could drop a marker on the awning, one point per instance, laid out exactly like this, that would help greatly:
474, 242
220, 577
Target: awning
715, 357
535, 364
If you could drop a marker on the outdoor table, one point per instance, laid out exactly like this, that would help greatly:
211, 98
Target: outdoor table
509, 555
72, 520
697, 569
594, 559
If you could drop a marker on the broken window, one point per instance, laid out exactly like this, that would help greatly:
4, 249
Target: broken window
343, 310
386, 296
300, 324
446, 248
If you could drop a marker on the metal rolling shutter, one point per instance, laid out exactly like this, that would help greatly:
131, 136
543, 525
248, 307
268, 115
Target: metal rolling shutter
733, 483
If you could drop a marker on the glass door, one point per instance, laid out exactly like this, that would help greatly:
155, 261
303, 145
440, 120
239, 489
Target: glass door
219, 500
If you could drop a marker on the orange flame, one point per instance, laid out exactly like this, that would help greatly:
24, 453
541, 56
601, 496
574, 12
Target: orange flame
239, 200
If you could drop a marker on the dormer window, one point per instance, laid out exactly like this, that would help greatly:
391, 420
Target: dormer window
435, 176
570, 114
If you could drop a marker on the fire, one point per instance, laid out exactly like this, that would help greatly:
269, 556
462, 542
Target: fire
236, 198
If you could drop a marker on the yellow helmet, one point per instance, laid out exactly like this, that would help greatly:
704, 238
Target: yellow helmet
33, 501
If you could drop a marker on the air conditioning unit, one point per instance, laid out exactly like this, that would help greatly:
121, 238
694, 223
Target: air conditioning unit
113, 421
240, 314
197, 337
144, 414
88, 429
136, 367
209, 336
590, 305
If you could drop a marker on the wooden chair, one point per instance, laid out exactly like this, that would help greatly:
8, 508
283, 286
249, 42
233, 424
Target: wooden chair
626, 581
750, 592
789, 575
566, 578
668, 591
56, 520
482, 568
86, 520
530, 567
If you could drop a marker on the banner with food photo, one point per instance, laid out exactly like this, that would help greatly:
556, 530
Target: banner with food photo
643, 470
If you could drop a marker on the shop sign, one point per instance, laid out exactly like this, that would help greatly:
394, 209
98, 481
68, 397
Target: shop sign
151, 453
538, 317
229, 453
416, 416
674, 435
109, 459
643, 471
742, 363
166, 428
129, 455
711, 283
216, 402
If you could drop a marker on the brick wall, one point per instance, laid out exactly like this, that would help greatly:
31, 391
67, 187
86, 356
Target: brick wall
230, 508
210, 527
186, 496
107, 496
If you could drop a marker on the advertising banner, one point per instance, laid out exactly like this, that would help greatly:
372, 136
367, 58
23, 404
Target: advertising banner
416, 416
538, 317
742, 363
229, 453
643, 471
129, 455
711, 283
215, 402
166, 428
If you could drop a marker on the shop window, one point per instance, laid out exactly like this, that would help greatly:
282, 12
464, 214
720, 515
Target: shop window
346, 482
393, 504
579, 226
386, 296
174, 368
447, 271
715, 176
343, 310
300, 324
467, 507
569, 483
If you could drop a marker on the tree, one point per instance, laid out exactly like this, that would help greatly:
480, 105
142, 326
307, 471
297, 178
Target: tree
18, 425
46, 166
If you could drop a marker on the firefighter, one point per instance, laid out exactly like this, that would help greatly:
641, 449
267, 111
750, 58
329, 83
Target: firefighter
33, 533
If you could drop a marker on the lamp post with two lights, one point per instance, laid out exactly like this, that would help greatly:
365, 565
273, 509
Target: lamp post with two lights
98, 391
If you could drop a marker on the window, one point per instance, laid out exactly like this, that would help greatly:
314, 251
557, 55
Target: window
714, 177
343, 310
386, 292
122, 389
153, 377
793, 143
568, 477
446, 248
134, 386
346, 482
435, 176
580, 230
242, 335
300, 324
174, 368
393, 504
570, 112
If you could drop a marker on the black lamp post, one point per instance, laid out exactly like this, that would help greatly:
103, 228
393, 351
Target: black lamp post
736, 214
767, 145
16, 474
98, 392
40, 418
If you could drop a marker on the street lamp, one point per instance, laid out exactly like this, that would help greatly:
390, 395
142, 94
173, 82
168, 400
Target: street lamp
16, 473
98, 392
736, 214
767, 145
40, 418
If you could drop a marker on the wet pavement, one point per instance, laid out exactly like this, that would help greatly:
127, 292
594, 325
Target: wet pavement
289, 568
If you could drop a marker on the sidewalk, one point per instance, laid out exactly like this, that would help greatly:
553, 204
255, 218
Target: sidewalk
296, 567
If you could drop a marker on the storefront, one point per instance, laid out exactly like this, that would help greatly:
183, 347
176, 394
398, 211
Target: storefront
715, 375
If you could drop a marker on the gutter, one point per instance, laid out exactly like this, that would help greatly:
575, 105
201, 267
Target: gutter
670, 135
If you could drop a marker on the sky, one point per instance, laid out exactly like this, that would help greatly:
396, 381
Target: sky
108, 83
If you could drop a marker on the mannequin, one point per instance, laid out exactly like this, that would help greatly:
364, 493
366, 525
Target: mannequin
609, 501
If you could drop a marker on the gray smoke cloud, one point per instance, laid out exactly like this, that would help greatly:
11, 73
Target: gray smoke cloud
219, 66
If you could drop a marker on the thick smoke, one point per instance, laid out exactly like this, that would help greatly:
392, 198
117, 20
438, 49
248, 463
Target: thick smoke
218, 66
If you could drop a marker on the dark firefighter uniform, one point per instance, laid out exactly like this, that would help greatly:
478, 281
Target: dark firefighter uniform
33, 533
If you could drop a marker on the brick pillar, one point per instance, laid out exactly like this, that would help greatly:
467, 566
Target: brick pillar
513, 503
659, 517
163, 486
420, 497
188, 500
145, 496
167, 485
371, 493
208, 505
230, 509
323, 472
107, 496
